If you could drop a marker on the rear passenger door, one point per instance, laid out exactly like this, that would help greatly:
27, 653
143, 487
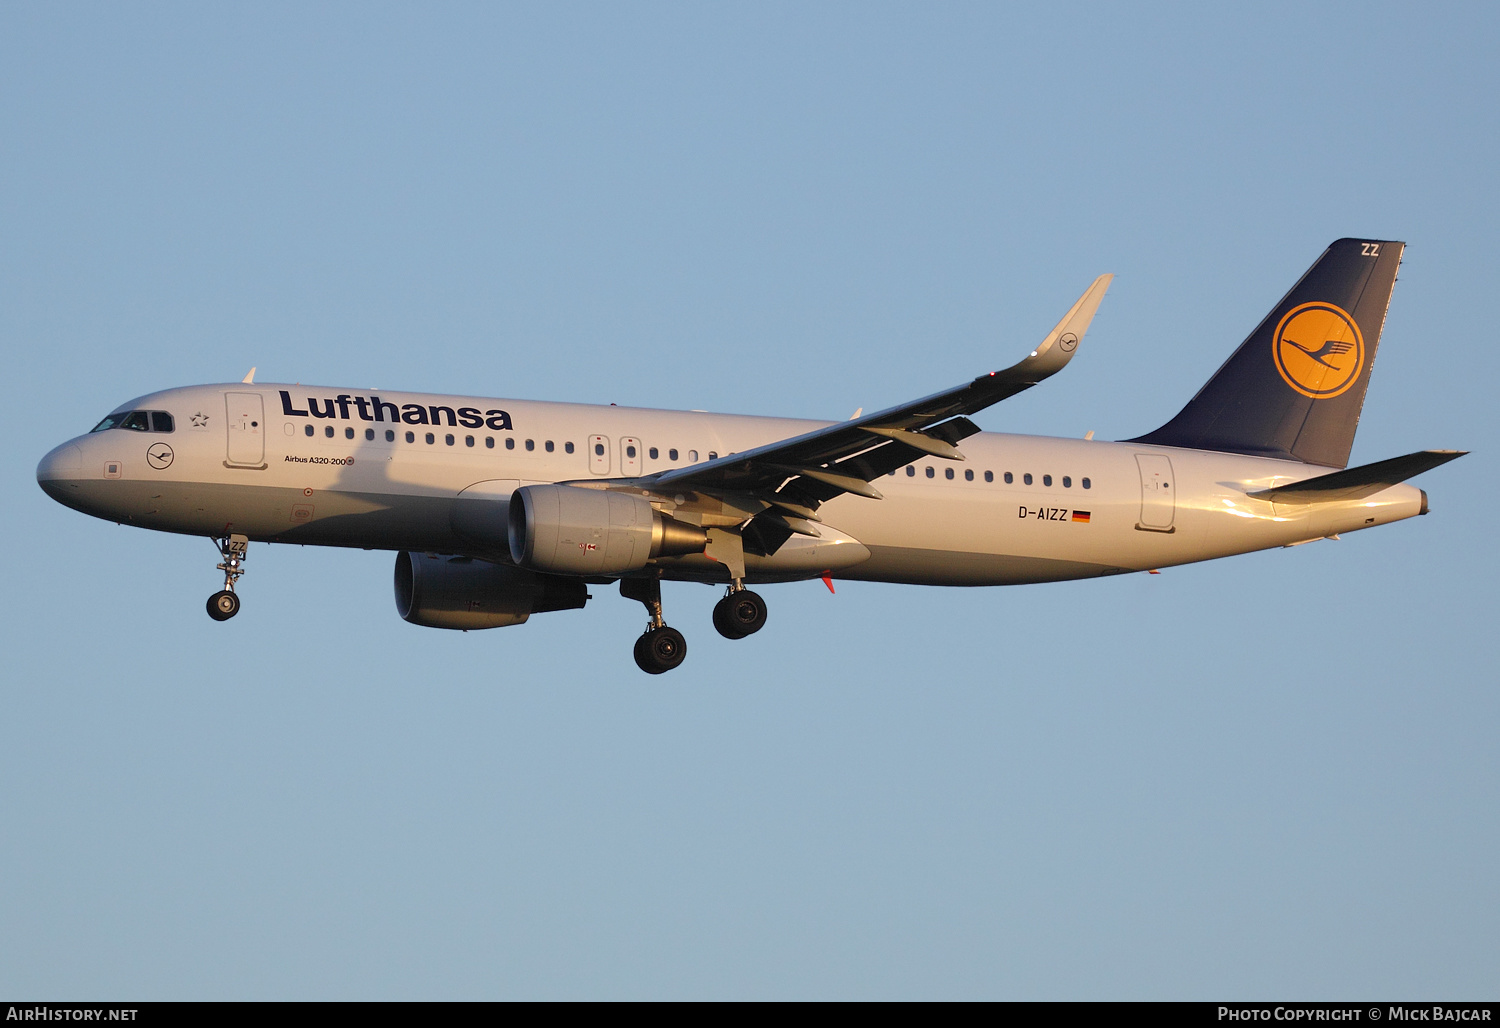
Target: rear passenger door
1158, 498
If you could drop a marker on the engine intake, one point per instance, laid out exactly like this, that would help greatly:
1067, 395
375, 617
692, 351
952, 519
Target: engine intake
439, 591
568, 530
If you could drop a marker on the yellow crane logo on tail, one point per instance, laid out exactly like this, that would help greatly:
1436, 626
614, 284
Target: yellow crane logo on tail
1318, 350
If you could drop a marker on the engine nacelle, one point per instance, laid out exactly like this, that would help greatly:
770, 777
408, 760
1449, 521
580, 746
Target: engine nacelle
439, 591
572, 531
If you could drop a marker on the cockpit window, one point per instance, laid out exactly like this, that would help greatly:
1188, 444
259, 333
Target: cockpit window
138, 420
112, 421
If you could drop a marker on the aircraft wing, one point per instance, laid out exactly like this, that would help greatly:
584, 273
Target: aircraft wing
799, 473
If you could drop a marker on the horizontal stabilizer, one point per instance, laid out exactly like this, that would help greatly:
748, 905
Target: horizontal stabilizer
1357, 483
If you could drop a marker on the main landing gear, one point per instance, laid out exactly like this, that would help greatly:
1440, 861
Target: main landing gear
660, 648
224, 604
740, 613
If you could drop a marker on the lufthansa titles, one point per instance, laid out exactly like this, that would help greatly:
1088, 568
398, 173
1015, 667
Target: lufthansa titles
373, 408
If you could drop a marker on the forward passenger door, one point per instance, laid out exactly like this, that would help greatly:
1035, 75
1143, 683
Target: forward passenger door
245, 419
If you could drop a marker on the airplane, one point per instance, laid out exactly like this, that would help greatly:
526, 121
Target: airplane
500, 509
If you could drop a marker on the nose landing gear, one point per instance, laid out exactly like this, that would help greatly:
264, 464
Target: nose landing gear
660, 649
224, 604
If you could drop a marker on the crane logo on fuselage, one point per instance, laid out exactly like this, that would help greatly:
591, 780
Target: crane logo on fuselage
373, 408
1318, 350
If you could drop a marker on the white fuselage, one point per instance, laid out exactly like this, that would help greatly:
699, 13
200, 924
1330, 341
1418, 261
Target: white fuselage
376, 472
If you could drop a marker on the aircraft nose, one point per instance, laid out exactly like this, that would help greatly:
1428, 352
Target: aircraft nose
63, 463
66, 461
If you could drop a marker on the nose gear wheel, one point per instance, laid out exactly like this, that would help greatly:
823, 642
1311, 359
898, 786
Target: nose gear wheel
223, 605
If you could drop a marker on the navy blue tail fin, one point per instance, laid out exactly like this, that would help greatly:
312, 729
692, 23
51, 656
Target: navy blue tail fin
1295, 387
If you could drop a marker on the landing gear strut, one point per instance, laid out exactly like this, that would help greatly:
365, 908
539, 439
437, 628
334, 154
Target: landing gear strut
224, 604
661, 648
740, 613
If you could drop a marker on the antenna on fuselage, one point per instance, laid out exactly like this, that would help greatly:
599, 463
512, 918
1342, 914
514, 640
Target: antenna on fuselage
250, 378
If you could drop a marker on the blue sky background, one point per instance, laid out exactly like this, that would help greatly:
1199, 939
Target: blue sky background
1269, 776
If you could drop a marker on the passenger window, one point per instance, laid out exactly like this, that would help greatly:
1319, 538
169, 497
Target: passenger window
598, 449
948, 474
348, 433
1087, 484
630, 452
431, 438
692, 456
1067, 482
712, 455
369, 434
1009, 478
671, 455
549, 446
530, 445
136, 420
931, 473
1046, 480
1026, 478
468, 440
448, 438
390, 436
652, 453
161, 421
510, 442
968, 474
989, 476
911, 472
489, 442
567, 447
308, 429
328, 431
411, 437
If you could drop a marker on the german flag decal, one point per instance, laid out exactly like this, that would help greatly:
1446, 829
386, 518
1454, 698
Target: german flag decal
1081, 515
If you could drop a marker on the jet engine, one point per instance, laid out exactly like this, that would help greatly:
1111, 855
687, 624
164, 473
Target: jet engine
573, 531
441, 591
